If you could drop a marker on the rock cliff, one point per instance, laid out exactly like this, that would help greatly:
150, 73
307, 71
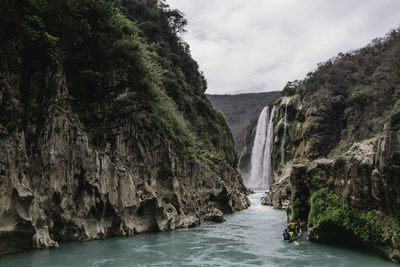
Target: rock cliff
341, 161
93, 141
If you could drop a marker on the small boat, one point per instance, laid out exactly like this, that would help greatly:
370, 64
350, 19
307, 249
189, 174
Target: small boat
296, 237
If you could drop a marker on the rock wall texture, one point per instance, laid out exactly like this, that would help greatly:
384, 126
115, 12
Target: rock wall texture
56, 187
340, 173
353, 198
105, 129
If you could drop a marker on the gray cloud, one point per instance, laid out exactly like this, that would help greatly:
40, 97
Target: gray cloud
259, 45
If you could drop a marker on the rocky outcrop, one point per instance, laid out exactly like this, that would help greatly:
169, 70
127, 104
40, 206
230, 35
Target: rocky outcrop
342, 149
103, 133
56, 186
215, 215
353, 199
279, 194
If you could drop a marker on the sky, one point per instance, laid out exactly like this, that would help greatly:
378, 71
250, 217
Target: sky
259, 45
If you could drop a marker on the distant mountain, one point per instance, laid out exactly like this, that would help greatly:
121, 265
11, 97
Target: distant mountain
240, 109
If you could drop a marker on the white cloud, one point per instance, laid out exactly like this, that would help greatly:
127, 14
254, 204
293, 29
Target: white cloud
259, 45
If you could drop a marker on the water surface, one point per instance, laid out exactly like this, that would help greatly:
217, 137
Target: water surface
248, 238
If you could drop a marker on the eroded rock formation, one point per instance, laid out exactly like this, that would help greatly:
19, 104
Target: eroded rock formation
67, 190
341, 161
215, 215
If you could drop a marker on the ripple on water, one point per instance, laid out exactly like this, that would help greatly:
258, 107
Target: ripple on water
251, 237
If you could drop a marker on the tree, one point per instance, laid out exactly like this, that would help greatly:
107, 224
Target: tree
290, 88
176, 20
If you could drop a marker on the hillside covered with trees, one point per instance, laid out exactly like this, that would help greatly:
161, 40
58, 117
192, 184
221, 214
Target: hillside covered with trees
239, 110
341, 154
355, 93
105, 129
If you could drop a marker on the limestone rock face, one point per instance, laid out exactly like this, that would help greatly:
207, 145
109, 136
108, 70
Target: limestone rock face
215, 215
56, 187
279, 194
364, 178
342, 143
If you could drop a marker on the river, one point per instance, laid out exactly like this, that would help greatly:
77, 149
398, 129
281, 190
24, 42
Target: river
248, 238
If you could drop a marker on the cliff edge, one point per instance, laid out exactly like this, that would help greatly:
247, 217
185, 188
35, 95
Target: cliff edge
337, 170
104, 126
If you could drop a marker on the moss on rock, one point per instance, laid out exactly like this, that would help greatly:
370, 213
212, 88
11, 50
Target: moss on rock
327, 211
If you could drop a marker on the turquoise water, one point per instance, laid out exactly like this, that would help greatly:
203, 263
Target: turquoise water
248, 238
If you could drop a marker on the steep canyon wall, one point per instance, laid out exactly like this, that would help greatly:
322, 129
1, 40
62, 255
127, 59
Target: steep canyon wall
340, 174
102, 132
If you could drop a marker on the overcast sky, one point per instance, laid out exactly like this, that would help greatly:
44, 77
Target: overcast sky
259, 45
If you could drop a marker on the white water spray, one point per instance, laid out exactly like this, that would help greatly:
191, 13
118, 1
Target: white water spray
258, 150
284, 135
267, 166
261, 152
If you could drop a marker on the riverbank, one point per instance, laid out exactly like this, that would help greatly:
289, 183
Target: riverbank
250, 237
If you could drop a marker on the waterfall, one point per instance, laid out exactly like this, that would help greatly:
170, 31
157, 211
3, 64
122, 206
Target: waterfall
284, 135
258, 150
261, 152
267, 170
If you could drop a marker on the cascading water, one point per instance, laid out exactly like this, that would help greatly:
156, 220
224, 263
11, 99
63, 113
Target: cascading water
258, 151
267, 169
284, 135
261, 152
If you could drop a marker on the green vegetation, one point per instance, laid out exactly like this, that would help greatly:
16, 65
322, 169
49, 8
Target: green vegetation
313, 182
245, 155
181, 79
123, 60
166, 112
297, 209
324, 210
328, 211
348, 99
291, 88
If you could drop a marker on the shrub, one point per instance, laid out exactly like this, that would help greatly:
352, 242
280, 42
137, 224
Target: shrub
328, 211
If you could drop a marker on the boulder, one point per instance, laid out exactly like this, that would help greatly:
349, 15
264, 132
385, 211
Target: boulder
215, 215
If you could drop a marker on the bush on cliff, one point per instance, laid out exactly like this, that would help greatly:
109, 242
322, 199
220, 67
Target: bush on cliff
327, 211
350, 97
122, 59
